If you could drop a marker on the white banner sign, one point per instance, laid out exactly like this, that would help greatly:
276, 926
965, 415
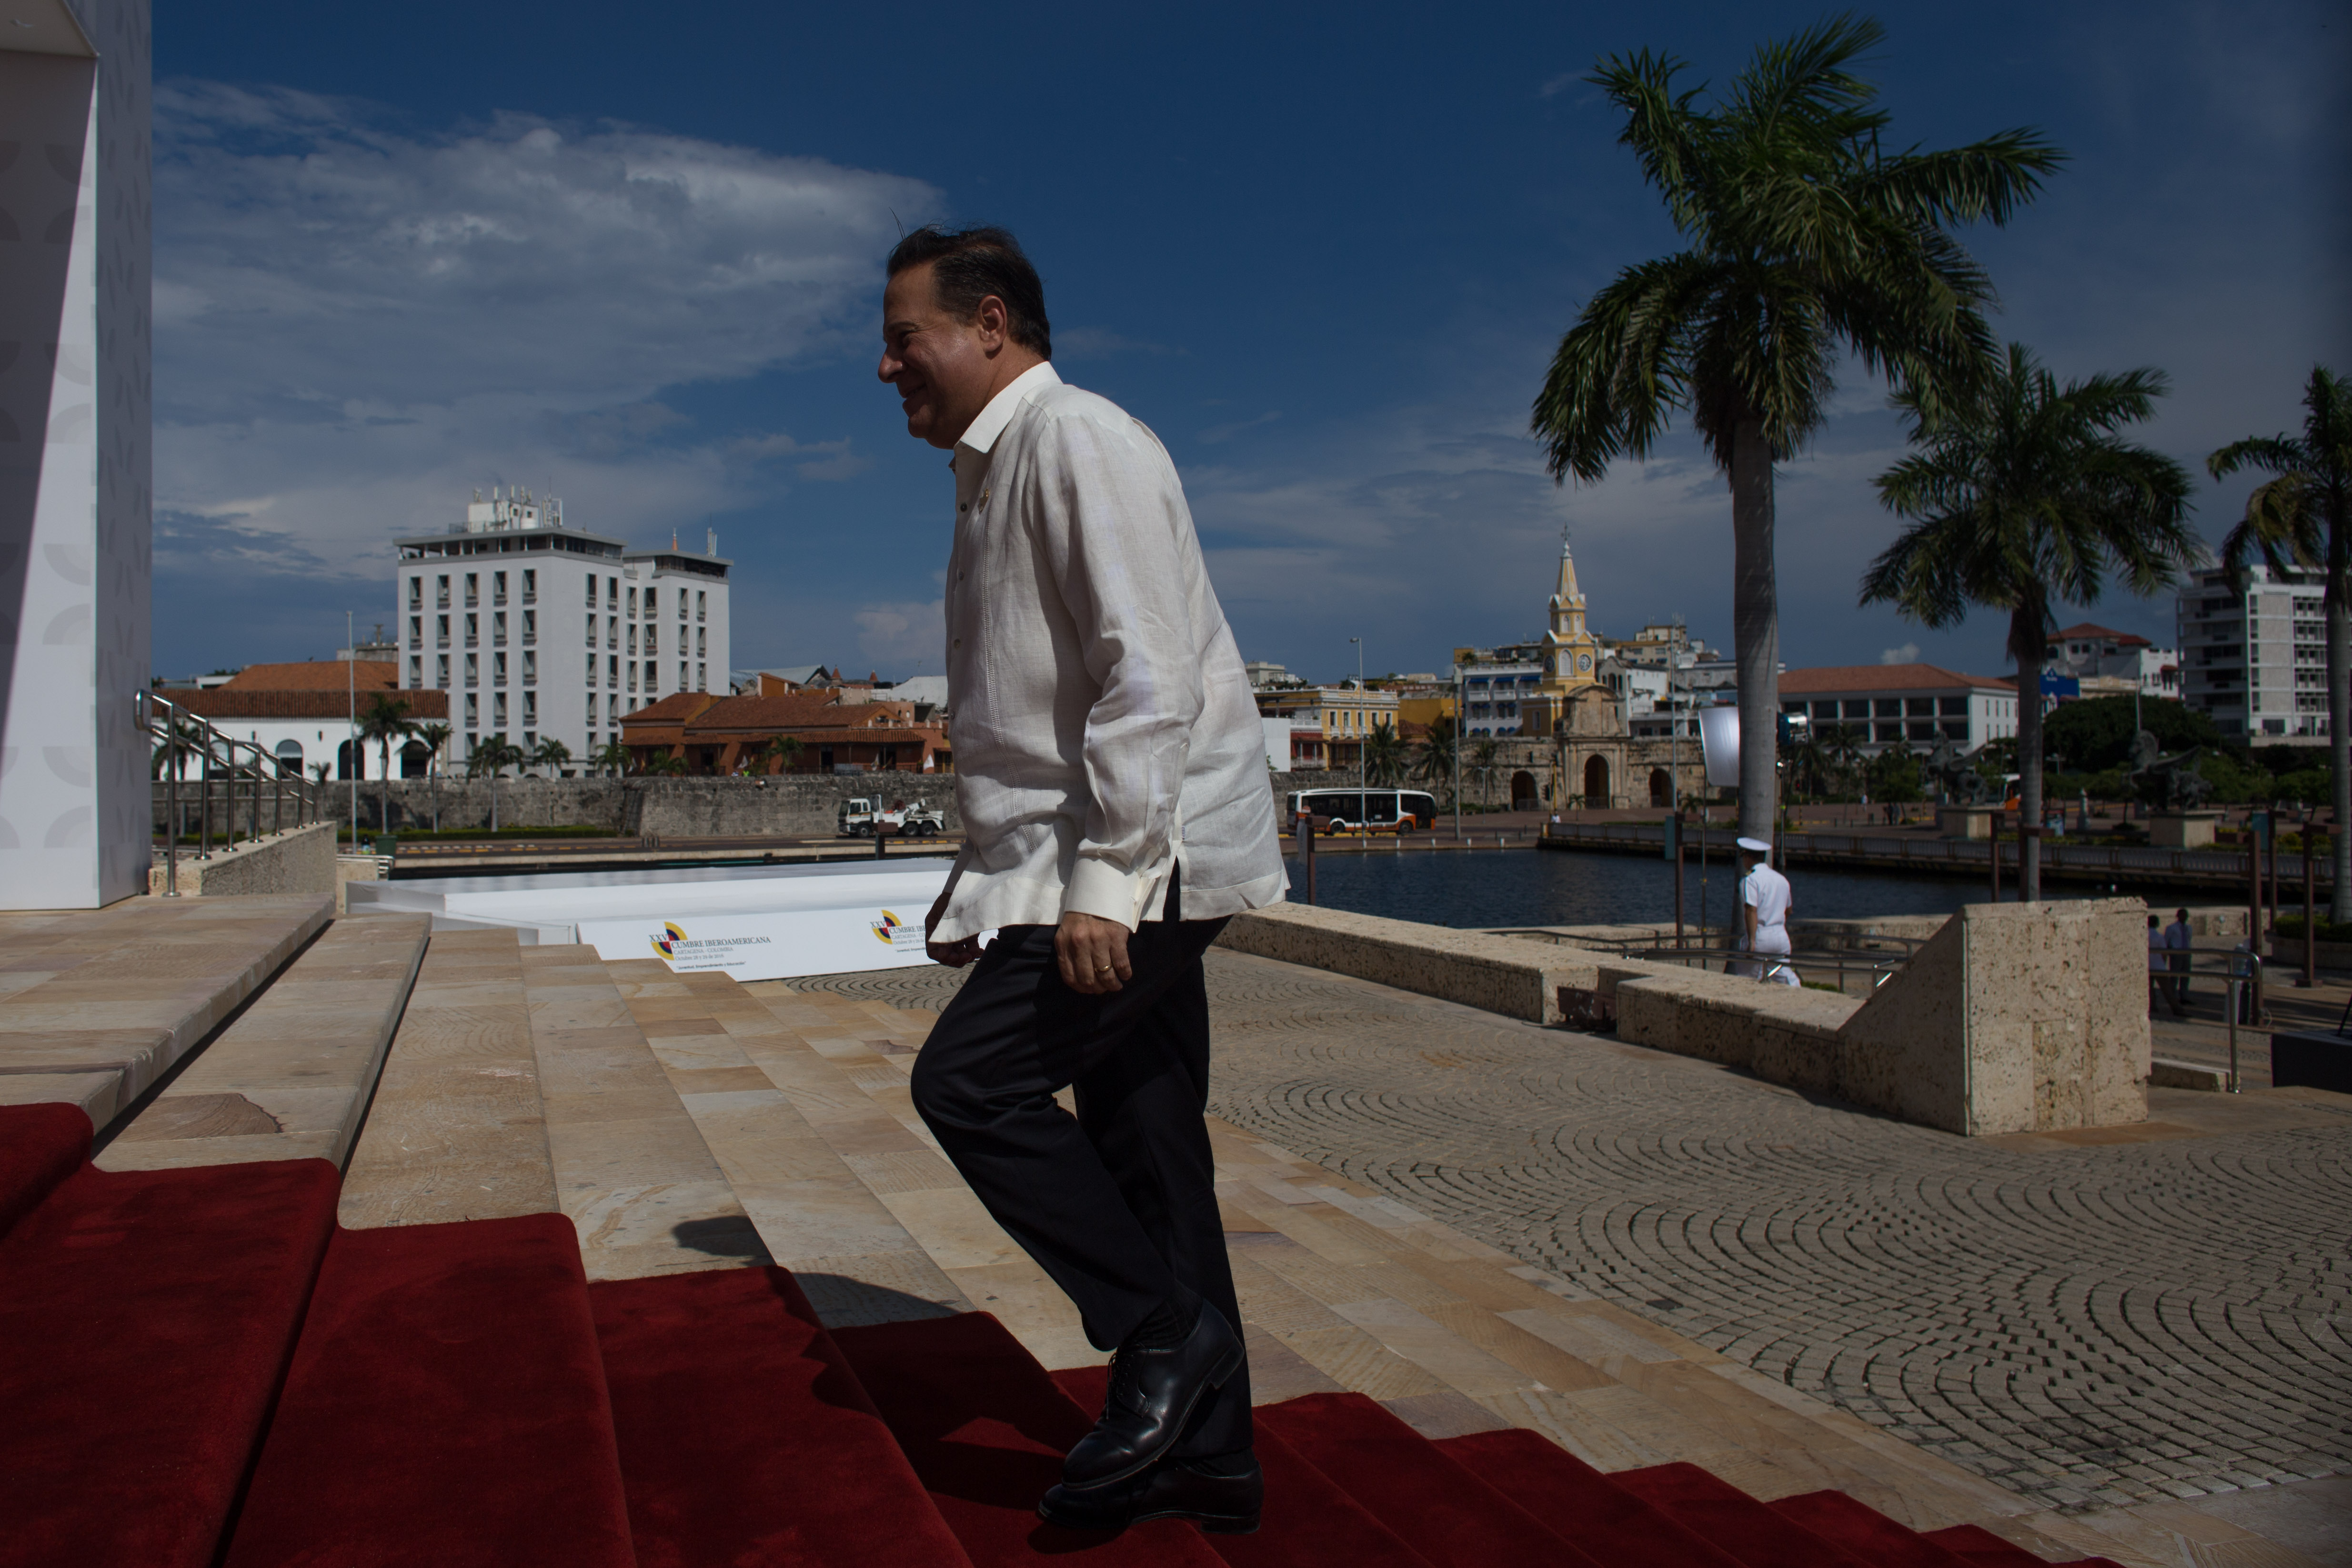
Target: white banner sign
768, 947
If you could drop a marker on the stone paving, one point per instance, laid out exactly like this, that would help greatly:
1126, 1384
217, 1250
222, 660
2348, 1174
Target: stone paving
2090, 1320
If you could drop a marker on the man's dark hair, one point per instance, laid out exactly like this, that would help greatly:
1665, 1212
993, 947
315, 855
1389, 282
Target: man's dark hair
971, 264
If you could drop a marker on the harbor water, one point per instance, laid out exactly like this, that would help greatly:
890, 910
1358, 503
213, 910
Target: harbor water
1477, 889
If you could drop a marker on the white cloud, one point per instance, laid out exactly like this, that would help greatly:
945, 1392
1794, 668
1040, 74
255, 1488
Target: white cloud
1216, 434
356, 324
1907, 654
903, 634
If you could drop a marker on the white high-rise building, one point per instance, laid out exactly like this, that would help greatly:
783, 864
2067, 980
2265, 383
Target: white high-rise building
539, 631
2256, 662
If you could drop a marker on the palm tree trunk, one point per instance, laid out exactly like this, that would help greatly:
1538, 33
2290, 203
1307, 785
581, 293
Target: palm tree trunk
2028, 645
2339, 703
1755, 626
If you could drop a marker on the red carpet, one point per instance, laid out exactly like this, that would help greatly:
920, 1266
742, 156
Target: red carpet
145, 1322
1861, 1531
744, 1438
40, 1146
1441, 1510
986, 1427
446, 1405
1722, 1513
1578, 1503
1309, 1520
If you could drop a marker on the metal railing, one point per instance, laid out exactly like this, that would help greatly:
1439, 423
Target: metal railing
181, 738
1896, 853
1872, 958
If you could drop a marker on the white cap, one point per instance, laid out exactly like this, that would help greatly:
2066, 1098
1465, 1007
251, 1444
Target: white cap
1755, 846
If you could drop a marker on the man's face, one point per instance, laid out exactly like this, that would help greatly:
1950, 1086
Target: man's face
941, 367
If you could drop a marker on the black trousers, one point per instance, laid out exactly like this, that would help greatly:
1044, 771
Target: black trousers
1119, 1204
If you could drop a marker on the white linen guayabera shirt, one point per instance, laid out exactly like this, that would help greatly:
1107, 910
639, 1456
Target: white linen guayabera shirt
1103, 726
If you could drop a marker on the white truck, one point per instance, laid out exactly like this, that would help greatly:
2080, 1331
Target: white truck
862, 816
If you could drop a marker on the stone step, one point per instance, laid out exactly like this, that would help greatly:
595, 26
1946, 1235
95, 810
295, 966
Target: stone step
97, 1007
870, 1047
632, 1170
291, 1077
456, 1129
786, 1126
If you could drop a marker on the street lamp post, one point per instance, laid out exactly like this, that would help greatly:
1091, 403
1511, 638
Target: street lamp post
1360, 711
352, 694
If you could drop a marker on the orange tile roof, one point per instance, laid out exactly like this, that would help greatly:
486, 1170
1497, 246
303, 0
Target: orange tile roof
2087, 632
1840, 678
229, 702
315, 675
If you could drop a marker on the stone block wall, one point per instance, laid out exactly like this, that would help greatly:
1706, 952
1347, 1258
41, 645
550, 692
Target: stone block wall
298, 860
779, 806
2011, 1018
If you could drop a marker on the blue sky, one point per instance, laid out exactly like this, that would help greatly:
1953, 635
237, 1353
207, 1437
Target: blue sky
634, 254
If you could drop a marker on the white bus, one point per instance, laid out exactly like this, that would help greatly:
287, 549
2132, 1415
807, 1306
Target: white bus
1364, 810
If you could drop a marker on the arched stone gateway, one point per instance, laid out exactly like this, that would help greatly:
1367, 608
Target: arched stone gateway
1596, 781
1522, 791
1662, 787
415, 760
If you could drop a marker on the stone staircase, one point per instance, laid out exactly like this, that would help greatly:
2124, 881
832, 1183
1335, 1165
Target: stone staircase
630, 1266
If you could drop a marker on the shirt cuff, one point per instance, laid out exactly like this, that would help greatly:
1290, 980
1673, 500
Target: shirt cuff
1099, 888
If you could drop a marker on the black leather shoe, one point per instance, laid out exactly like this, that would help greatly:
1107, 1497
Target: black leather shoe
1152, 1395
1223, 1505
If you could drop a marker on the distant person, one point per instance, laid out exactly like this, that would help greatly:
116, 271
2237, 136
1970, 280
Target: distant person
2159, 970
1765, 902
1110, 768
2177, 938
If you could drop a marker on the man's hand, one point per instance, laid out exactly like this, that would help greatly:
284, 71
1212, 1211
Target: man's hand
1093, 952
954, 954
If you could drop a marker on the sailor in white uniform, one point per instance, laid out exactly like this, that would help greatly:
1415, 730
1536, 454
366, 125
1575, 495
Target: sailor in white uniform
1765, 902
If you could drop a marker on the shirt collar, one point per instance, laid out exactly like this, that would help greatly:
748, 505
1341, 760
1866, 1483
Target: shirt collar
1002, 407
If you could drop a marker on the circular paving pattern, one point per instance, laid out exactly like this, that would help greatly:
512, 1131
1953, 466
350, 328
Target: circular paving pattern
2088, 1326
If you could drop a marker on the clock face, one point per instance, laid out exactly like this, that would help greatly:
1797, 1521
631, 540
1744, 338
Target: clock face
1584, 661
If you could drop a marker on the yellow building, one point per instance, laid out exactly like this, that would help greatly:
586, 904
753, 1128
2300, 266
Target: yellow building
1346, 714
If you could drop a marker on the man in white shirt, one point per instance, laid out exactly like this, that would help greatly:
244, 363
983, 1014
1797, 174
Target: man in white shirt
1110, 769
1765, 902
2178, 939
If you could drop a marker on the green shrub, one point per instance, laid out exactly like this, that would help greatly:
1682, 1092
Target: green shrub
2290, 927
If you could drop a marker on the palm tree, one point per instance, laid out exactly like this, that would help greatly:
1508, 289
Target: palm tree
1485, 762
184, 734
781, 749
2300, 520
2024, 496
491, 758
1808, 241
1434, 766
670, 766
613, 757
435, 736
550, 754
1384, 755
384, 721
1812, 758
1841, 748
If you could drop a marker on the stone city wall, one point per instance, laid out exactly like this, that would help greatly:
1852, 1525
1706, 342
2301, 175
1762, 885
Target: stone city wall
777, 805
